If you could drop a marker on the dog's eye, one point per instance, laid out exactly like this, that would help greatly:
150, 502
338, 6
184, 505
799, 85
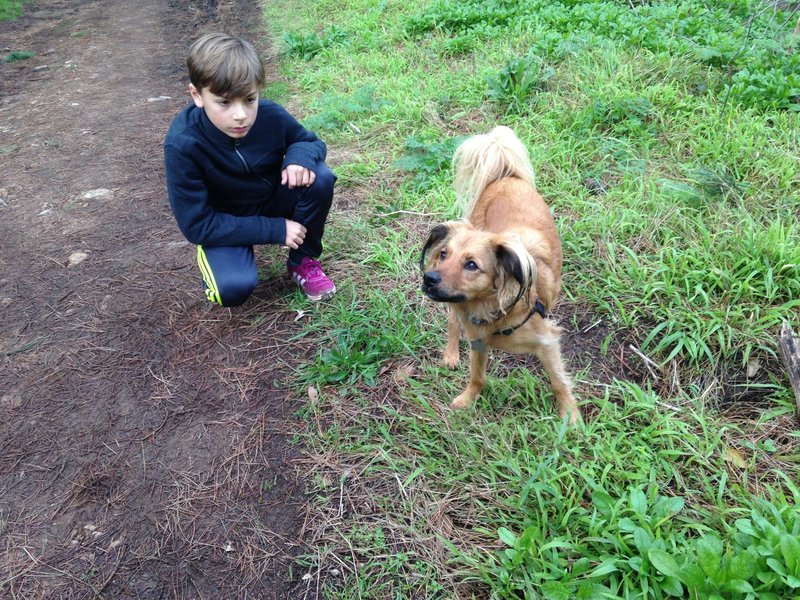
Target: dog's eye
442, 254
471, 265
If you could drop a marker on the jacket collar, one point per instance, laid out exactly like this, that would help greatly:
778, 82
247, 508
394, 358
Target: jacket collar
215, 135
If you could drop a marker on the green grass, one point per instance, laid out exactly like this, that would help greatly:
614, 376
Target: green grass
11, 9
682, 482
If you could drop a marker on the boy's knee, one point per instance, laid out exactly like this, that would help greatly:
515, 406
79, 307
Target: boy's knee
323, 183
237, 287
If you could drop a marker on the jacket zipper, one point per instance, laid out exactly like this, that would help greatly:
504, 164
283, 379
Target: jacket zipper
239, 154
244, 162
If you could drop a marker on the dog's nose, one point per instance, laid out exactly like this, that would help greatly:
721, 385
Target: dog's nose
432, 278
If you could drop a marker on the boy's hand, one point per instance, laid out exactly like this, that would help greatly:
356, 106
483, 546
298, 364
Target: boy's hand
296, 176
295, 234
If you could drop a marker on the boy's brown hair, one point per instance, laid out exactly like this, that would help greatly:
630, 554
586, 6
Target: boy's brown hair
228, 66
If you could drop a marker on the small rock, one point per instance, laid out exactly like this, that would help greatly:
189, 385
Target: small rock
77, 258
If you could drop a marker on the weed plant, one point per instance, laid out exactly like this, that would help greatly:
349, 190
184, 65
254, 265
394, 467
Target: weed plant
665, 137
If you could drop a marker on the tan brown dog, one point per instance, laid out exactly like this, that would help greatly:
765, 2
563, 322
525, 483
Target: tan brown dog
500, 269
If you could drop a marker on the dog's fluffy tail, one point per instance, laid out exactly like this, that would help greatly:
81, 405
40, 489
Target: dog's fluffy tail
483, 159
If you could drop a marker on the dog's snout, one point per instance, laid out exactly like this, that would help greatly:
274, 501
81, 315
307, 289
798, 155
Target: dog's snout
432, 278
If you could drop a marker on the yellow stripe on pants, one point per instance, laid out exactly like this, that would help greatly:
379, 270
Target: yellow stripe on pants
212, 292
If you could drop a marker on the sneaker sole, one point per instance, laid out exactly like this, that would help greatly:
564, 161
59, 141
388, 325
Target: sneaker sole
324, 296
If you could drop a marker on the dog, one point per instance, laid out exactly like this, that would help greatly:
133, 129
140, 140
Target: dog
499, 269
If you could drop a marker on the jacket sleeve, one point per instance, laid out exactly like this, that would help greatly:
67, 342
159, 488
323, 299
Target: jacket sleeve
303, 147
197, 219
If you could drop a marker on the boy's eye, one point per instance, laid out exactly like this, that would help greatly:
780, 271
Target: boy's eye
471, 265
252, 99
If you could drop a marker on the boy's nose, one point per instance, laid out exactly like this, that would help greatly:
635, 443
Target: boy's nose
239, 113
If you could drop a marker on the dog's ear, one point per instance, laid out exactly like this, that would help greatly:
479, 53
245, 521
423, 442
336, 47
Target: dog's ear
437, 235
516, 272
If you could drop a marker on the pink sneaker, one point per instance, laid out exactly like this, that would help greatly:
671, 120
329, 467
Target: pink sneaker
309, 276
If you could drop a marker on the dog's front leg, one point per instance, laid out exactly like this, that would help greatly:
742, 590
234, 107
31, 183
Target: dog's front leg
477, 376
550, 355
451, 353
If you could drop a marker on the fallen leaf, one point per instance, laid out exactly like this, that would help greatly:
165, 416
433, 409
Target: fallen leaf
404, 372
733, 456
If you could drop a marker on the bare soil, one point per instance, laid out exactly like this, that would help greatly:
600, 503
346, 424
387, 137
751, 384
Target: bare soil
145, 436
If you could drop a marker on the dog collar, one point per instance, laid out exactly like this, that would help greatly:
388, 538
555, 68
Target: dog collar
538, 307
479, 345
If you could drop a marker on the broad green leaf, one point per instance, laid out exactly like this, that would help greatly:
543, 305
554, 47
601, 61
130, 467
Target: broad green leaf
664, 563
692, 576
777, 566
669, 506
508, 538
709, 554
746, 526
580, 566
739, 585
638, 502
672, 586
743, 565
554, 590
790, 548
604, 568
636, 564
643, 540
627, 525
602, 502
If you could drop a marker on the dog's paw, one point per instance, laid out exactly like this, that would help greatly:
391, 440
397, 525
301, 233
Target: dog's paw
461, 402
573, 415
450, 360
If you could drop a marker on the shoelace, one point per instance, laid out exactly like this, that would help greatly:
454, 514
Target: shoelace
310, 269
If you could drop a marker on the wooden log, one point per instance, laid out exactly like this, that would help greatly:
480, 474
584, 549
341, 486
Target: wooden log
790, 351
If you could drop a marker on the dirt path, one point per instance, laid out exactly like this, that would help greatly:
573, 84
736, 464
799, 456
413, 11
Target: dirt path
143, 445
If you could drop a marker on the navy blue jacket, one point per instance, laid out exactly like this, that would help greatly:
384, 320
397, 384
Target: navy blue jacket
220, 188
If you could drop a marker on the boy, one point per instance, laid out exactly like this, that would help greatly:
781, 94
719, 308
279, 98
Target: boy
242, 171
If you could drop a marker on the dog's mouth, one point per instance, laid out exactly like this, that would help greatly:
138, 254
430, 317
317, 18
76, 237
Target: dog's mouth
433, 292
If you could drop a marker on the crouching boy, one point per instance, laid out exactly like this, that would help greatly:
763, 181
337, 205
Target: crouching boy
241, 171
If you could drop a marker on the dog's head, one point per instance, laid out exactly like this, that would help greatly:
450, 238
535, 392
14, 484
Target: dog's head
462, 264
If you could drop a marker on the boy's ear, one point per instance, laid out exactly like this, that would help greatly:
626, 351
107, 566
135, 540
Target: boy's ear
198, 99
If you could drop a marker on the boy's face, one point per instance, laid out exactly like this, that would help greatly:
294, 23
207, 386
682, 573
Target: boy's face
232, 116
